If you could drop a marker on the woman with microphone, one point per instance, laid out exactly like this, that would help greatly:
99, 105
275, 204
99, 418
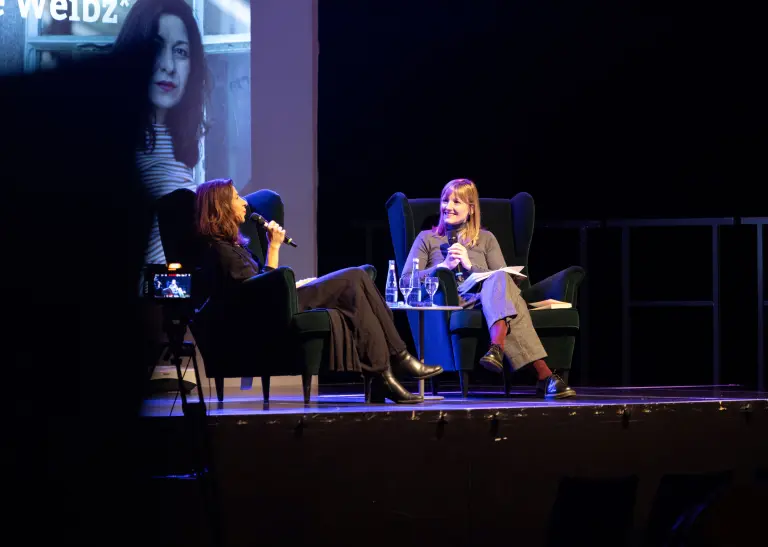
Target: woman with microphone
367, 319
458, 242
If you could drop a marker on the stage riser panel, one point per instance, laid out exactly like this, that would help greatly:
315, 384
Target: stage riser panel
460, 478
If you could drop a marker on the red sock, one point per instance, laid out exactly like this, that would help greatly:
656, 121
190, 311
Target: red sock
542, 370
499, 332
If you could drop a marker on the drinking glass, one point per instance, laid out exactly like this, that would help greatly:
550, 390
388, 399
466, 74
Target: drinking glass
405, 287
431, 284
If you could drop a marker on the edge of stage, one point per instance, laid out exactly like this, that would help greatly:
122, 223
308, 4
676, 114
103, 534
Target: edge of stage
607, 465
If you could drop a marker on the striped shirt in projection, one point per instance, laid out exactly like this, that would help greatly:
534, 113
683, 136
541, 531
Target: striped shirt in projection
161, 174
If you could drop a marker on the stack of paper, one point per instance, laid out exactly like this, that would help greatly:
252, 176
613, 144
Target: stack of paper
550, 304
476, 278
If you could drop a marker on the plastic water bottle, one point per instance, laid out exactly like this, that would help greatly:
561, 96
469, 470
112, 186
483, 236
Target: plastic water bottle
391, 290
415, 297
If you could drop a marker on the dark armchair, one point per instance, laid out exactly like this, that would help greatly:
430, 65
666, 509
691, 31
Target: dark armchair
457, 340
261, 332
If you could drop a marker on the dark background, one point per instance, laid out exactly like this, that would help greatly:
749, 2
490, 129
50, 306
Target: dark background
600, 111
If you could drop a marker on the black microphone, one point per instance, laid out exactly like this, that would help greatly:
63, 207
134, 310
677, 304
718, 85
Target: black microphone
453, 237
258, 218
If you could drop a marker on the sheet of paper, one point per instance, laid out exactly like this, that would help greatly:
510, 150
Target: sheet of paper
514, 270
476, 278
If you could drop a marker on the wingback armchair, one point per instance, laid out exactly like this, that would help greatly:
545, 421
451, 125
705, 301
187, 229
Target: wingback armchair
260, 332
457, 340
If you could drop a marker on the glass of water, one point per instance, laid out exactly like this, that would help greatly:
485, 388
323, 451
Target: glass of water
405, 287
431, 284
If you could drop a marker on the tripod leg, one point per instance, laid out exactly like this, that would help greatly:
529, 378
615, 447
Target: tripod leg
177, 363
197, 379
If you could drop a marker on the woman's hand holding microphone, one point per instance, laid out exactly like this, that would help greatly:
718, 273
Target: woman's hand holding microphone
275, 234
457, 254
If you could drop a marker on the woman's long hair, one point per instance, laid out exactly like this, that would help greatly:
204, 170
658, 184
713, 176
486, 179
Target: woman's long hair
185, 121
215, 216
466, 191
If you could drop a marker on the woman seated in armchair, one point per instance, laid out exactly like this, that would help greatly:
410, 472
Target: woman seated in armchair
366, 319
477, 250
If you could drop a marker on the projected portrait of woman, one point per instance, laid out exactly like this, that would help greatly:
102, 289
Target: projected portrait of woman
169, 147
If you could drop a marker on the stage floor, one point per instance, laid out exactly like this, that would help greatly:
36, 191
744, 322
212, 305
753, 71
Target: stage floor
239, 402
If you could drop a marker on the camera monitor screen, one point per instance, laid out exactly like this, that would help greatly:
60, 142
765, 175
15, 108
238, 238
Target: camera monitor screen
172, 285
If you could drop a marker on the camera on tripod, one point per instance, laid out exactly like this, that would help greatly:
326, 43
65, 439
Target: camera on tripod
172, 286
167, 283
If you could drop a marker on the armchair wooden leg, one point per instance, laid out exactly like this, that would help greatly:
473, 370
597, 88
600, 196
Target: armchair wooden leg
219, 382
507, 382
464, 382
367, 380
306, 383
265, 387
435, 385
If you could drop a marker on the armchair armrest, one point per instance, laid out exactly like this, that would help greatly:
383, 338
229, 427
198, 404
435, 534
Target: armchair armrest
274, 291
563, 286
238, 331
448, 287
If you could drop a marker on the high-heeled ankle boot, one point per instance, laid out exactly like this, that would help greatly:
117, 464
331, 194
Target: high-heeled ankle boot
405, 363
385, 386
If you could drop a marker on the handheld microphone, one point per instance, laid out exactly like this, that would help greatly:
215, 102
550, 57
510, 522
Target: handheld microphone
258, 218
453, 237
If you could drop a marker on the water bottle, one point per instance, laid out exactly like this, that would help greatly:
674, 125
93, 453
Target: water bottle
391, 289
415, 298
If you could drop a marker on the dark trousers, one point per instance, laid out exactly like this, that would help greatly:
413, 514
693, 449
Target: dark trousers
370, 322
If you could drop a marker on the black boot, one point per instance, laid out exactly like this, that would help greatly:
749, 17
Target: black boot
405, 363
385, 385
553, 388
493, 360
